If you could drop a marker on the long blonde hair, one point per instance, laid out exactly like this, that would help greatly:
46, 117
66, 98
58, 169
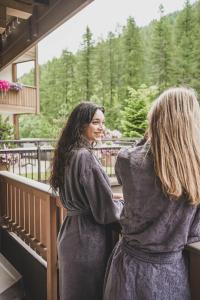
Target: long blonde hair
174, 134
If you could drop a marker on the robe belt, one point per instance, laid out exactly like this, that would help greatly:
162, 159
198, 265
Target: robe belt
158, 258
78, 212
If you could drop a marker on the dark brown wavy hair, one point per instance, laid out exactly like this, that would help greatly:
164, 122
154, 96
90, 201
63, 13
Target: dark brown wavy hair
71, 138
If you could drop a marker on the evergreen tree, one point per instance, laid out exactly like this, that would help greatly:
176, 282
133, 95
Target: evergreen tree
50, 97
36, 127
100, 73
28, 78
146, 37
161, 55
119, 70
196, 50
185, 45
134, 115
86, 60
111, 76
132, 55
68, 83
111, 66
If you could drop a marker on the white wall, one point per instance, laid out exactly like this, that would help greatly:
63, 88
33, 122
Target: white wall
6, 74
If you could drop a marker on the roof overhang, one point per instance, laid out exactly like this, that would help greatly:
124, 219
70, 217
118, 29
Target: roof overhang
24, 23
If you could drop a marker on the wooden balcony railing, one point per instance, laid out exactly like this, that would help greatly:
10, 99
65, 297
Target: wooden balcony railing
22, 101
30, 210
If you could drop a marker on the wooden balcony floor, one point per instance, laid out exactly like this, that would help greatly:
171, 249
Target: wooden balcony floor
10, 281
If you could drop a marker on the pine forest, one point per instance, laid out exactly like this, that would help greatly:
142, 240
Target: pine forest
123, 72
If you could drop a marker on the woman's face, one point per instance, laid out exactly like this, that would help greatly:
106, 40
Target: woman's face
95, 130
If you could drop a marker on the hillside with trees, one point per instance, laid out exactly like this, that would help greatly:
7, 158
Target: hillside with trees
113, 71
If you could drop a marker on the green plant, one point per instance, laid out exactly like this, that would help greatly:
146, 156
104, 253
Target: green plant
134, 115
6, 130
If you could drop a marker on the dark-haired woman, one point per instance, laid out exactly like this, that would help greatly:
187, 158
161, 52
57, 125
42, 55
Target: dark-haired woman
84, 239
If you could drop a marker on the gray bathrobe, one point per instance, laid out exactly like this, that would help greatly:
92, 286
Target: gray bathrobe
85, 241
148, 263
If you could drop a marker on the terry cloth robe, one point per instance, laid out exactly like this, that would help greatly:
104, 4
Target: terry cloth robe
148, 263
85, 241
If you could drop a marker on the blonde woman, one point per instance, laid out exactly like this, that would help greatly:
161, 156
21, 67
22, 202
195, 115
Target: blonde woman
161, 185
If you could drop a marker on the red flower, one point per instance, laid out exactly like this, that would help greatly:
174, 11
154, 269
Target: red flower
4, 85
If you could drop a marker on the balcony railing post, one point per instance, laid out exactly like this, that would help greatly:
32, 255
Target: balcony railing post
3, 199
51, 249
39, 160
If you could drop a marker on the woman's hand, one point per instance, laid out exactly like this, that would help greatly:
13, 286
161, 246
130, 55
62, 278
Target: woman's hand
117, 196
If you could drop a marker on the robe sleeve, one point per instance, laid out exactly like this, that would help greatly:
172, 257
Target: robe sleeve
117, 170
98, 191
194, 235
121, 165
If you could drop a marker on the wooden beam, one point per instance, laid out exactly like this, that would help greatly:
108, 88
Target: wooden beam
46, 20
37, 81
17, 5
16, 109
14, 72
2, 18
58, 13
18, 13
52, 279
40, 2
16, 126
27, 1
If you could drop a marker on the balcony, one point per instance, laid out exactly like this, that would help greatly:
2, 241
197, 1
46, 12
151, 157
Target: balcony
30, 219
20, 102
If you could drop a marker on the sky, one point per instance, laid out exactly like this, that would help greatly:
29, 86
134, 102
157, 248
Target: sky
101, 16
